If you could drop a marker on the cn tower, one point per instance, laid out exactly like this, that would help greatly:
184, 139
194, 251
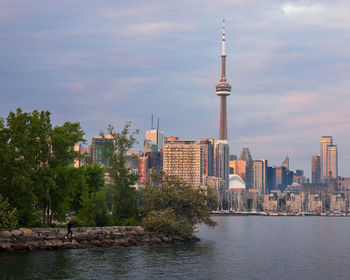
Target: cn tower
223, 89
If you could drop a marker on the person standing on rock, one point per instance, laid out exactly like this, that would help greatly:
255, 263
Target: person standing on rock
69, 228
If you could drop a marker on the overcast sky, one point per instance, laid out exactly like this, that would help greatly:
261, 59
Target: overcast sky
106, 62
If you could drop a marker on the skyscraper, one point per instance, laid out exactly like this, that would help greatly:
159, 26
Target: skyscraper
208, 145
223, 89
316, 169
332, 161
245, 155
221, 160
185, 159
156, 136
100, 147
325, 142
285, 163
259, 175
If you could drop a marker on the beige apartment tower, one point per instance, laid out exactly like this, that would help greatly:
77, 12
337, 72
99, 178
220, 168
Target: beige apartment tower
332, 163
325, 142
185, 159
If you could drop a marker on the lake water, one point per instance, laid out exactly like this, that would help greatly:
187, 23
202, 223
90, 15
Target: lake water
244, 247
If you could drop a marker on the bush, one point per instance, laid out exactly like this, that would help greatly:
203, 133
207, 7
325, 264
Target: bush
130, 222
172, 206
8, 216
167, 222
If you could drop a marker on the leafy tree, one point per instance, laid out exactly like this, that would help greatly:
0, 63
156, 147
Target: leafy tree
8, 216
94, 211
172, 206
34, 165
124, 203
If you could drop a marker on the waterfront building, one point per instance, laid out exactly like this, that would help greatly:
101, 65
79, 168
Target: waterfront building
342, 184
293, 202
338, 203
332, 161
315, 203
271, 201
100, 148
316, 169
208, 146
185, 159
325, 142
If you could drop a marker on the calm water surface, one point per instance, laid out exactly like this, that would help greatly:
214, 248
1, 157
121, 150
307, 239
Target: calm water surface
238, 248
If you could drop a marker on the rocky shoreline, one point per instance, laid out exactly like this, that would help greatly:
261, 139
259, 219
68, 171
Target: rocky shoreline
25, 239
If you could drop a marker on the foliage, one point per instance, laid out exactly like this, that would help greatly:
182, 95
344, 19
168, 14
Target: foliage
166, 221
94, 211
8, 216
172, 206
123, 195
35, 159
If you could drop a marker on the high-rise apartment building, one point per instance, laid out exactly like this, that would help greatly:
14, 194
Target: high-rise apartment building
208, 146
221, 160
316, 169
332, 161
185, 159
325, 142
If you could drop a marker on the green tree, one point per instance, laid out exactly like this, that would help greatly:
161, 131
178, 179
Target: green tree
94, 211
34, 165
8, 216
124, 203
172, 206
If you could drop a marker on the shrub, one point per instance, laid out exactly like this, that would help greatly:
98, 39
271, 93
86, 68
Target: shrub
8, 216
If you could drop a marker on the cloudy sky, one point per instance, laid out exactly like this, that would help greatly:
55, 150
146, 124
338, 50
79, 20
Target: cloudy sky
106, 62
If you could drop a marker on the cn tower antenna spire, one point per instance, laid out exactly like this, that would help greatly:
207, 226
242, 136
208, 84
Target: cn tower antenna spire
223, 89
223, 39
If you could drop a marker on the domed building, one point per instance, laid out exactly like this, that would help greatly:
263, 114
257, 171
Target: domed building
236, 183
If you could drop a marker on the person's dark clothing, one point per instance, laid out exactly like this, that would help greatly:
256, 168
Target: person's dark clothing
69, 228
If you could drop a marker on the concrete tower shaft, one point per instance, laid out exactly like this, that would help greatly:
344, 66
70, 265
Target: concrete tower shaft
223, 89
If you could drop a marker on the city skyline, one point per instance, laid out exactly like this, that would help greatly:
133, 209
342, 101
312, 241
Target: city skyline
114, 62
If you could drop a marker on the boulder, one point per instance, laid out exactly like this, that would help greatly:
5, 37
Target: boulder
26, 231
5, 234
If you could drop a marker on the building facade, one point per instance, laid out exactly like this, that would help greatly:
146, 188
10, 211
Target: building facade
221, 160
185, 159
325, 142
332, 161
316, 169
